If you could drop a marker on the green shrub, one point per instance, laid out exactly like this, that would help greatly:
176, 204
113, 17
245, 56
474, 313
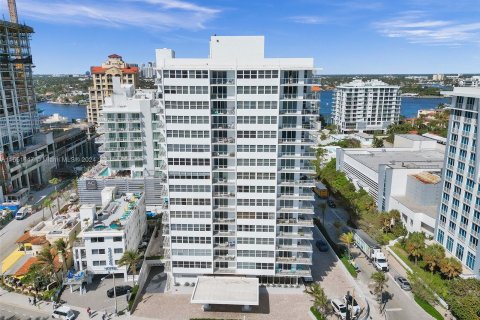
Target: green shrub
317, 314
428, 308
133, 294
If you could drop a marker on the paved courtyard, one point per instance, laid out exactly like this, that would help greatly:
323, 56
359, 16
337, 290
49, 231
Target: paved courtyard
96, 296
275, 303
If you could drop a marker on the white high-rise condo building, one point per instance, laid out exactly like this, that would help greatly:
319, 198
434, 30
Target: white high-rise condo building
238, 138
458, 224
366, 106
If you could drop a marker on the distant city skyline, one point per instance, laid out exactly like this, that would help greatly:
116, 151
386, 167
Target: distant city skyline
344, 37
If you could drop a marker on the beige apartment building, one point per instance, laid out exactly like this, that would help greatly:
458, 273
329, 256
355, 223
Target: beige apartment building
102, 82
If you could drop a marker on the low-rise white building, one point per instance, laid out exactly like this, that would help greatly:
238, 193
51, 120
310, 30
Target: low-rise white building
107, 232
405, 178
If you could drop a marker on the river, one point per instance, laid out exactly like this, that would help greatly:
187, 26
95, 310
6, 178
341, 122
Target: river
409, 106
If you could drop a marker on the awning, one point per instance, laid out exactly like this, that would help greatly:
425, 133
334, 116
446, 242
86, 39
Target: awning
226, 290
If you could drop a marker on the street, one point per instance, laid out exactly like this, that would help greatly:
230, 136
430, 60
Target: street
14, 312
400, 304
16, 228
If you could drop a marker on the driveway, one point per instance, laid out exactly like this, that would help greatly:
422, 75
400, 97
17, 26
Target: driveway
96, 296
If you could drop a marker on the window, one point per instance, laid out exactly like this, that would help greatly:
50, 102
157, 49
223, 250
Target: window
189, 202
98, 251
118, 250
459, 252
99, 263
449, 244
188, 148
97, 239
440, 236
470, 260
189, 188
117, 239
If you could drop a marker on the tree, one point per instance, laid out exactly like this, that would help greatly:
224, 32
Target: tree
62, 249
415, 245
379, 283
433, 255
319, 298
347, 240
46, 258
377, 142
130, 259
337, 225
47, 203
419, 288
450, 267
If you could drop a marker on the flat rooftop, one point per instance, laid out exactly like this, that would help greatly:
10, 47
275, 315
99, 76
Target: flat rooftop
117, 213
226, 290
431, 211
414, 137
398, 158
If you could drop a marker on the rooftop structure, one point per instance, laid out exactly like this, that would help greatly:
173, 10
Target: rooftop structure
102, 76
65, 226
406, 179
360, 106
108, 230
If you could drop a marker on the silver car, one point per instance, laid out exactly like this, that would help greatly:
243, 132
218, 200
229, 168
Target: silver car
404, 284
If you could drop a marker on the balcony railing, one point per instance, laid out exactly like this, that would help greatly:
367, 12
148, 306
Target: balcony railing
223, 140
223, 111
224, 194
300, 80
299, 96
302, 260
294, 248
223, 126
293, 272
222, 81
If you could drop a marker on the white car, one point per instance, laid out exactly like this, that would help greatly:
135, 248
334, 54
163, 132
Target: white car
23, 212
339, 308
63, 312
352, 305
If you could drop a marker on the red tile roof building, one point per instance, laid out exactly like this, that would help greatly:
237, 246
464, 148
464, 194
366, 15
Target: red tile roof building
102, 82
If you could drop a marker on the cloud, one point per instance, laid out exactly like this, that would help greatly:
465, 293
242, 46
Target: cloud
415, 27
153, 14
308, 19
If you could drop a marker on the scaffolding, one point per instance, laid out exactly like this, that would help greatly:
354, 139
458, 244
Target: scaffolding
18, 113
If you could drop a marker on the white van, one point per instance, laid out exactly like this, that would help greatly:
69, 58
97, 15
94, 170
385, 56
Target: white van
23, 212
63, 312
73, 197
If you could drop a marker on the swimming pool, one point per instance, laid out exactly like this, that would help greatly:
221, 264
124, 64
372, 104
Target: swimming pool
105, 172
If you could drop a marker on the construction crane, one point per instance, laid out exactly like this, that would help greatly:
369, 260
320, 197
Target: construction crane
12, 10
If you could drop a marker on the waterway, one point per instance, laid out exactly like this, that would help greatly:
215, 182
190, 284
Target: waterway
71, 111
409, 106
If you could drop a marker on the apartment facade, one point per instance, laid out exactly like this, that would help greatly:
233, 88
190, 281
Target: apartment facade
102, 87
368, 106
238, 138
458, 224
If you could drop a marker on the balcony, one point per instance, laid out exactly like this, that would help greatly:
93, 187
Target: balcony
304, 183
289, 155
222, 96
299, 96
223, 140
222, 181
223, 168
223, 111
299, 235
297, 196
302, 209
296, 141
293, 272
224, 208
221, 245
223, 233
223, 154
224, 270
222, 81
294, 260
224, 195
300, 81
227, 257
300, 247
306, 169
295, 222
224, 220
224, 126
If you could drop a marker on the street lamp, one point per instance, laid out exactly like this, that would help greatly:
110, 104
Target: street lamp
109, 269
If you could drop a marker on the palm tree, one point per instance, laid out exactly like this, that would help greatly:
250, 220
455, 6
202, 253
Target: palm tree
62, 249
323, 208
46, 258
347, 240
432, 255
450, 267
415, 245
319, 298
47, 203
337, 225
379, 282
130, 259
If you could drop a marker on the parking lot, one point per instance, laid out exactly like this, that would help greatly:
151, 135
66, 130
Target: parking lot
96, 296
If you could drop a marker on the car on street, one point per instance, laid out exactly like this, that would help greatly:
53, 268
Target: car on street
331, 204
403, 283
143, 245
339, 308
63, 312
352, 304
23, 212
321, 245
120, 291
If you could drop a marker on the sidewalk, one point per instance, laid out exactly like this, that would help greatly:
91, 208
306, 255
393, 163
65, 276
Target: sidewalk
17, 300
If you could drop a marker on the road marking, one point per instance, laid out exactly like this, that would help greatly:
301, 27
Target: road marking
393, 309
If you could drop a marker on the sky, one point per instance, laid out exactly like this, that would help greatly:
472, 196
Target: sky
344, 37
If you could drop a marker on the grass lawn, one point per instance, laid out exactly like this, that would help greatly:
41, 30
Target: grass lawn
349, 266
428, 308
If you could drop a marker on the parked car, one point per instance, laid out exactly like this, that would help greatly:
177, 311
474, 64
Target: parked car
339, 308
321, 245
404, 284
331, 204
120, 290
352, 304
63, 312
23, 212
143, 245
